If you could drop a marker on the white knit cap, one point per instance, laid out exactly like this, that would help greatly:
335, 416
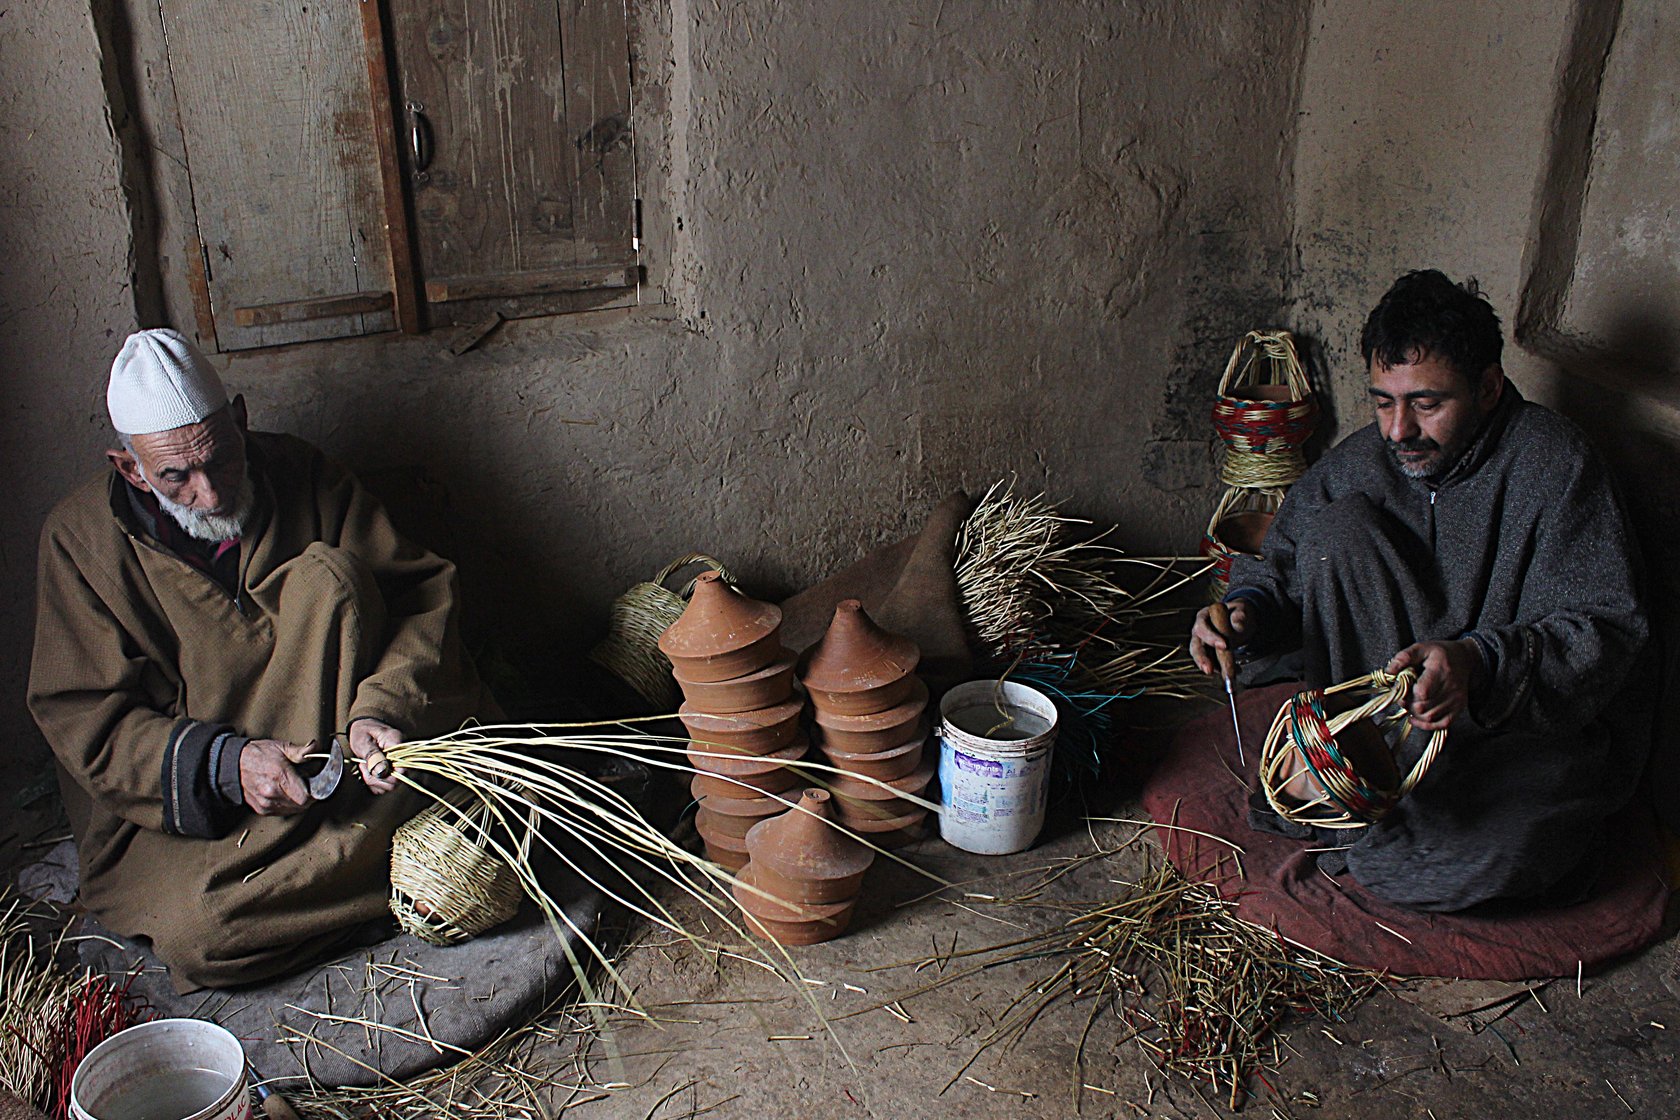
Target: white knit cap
160, 381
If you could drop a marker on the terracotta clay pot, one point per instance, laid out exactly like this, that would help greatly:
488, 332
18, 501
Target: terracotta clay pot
1276, 394
722, 634
859, 815
868, 829
847, 787
747, 803
855, 655
770, 686
885, 765
709, 822
868, 701
796, 924
876, 731
751, 733
722, 848
777, 780
887, 841
729, 859
803, 857
745, 767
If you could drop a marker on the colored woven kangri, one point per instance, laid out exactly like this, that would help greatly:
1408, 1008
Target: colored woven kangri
1241, 518
1302, 733
1264, 412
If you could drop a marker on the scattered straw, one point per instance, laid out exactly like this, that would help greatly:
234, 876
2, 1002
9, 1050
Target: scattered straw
1200, 989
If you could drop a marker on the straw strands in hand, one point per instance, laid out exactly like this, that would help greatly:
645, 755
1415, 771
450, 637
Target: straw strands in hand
540, 800
1200, 989
1035, 593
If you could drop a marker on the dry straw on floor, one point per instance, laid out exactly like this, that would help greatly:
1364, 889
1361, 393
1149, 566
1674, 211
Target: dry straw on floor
1200, 990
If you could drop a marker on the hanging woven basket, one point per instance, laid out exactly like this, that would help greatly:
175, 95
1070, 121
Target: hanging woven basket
1338, 770
1265, 411
634, 622
446, 885
1237, 528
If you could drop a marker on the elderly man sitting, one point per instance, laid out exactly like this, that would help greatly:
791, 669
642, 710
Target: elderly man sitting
215, 608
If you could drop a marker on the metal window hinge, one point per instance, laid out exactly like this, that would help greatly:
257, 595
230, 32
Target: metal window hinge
204, 252
636, 234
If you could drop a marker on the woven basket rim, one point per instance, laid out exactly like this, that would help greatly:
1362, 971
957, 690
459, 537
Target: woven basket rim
1386, 692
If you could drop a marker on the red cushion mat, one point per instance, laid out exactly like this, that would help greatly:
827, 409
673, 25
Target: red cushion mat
1196, 787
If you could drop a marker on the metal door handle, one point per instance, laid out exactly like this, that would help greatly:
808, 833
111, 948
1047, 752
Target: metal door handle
419, 137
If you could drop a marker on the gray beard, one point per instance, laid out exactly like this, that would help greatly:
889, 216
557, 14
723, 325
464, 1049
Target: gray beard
213, 527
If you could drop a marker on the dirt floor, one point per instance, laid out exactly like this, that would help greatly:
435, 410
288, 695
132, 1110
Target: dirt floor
867, 1039
865, 1035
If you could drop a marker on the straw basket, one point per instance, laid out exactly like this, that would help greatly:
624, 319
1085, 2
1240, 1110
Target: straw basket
1264, 412
1350, 753
1237, 528
446, 886
634, 622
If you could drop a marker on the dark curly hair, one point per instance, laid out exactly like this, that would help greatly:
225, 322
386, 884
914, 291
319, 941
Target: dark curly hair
1426, 315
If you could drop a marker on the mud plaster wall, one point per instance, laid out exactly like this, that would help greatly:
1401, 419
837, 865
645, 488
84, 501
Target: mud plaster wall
912, 250
65, 304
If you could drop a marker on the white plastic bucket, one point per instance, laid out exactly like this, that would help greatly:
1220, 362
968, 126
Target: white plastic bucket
168, 1069
994, 765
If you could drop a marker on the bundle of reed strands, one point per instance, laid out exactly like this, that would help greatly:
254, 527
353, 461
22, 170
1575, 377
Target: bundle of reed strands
1200, 989
537, 800
1037, 593
50, 1016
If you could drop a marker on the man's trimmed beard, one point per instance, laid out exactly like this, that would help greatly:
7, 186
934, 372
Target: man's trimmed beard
1423, 469
206, 525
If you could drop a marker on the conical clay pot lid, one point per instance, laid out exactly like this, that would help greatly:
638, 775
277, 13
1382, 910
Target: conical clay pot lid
803, 843
855, 654
718, 619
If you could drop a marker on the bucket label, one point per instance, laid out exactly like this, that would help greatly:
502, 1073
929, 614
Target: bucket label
988, 790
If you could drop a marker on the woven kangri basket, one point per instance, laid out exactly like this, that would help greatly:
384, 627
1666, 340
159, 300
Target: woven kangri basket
446, 885
630, 651
1238, 526
1265, 411
1353, 795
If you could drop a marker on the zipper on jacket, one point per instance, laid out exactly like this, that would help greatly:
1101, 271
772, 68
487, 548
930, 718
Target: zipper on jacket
237, 595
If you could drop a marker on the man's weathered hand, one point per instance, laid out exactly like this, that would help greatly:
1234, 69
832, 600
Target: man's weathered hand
269, 779
1446, 672
1205, 639
369, 740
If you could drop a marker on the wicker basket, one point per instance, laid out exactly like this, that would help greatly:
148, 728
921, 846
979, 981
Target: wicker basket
630, 651
1237, 528
1350, 753
446, 886
1265, 411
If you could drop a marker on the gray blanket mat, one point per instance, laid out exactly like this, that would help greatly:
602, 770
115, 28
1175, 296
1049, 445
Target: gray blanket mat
434, 1004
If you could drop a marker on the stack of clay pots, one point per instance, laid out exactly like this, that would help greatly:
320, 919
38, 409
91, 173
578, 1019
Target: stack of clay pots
741, 711
801, 884
870, 708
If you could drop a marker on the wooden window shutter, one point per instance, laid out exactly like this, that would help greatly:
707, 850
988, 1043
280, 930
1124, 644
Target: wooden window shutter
516, 125
279, 130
